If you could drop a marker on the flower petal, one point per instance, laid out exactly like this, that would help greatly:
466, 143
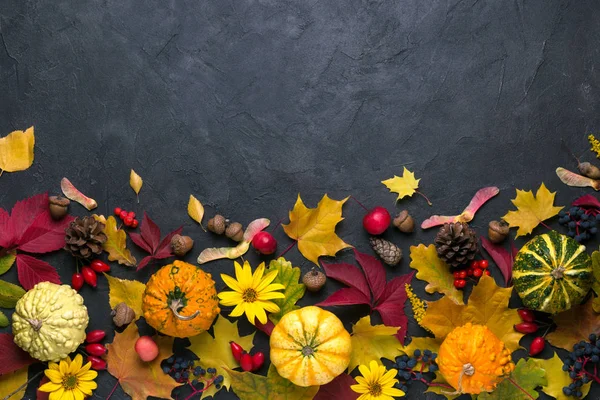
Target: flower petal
394, 392
257, 277
230, 298
76, 364
359, 388
266, 281
63, 367
232, 283
270, 296
58, 394
50, 387
78, 394
238, 310
54, 376
246, 280
268, 305
87, 376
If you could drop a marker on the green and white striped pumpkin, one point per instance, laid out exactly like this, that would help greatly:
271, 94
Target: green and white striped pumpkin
552, 273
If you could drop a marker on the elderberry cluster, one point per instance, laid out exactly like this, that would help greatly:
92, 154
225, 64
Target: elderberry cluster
582, 365
582, 224
188, 371
419, 367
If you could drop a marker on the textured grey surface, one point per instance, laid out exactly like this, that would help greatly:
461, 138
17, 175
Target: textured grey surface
248, 103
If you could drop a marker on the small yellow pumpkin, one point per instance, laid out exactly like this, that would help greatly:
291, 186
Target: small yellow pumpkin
310, 346
180, 300
473, 360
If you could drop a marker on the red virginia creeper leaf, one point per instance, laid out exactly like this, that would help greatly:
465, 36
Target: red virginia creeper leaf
42, 395
587, 200
31, 271
480, 198
45, 234
349, 275
5, 235
150, 232
345, 297
145, 261
339, 388
24, 213
139, 241
266, 328
374, 273
502, 257
12, 357
392, 314
164, 248
149, 240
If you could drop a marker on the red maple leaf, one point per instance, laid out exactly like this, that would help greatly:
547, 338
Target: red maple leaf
369, 286
339, 388
30, 228
149, 241
503, 258
12, 357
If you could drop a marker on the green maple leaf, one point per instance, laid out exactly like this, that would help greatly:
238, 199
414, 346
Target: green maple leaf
249, 386
289, 277
521, 384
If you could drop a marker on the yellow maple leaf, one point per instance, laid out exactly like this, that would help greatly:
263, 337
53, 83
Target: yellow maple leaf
531, 210
136, 182
11, 382
434, 271
139, 379
405, 185
116, 242
126, 291
215, 351
314, 228
16, 151
487, 305
372, 342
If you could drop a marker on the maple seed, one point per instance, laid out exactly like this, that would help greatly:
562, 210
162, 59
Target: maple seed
264, 243
146, 348
59, 207
377, 220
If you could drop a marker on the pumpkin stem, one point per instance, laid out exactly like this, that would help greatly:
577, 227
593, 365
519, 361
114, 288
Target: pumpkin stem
307, 351
36, 324
469, 370
558, 273
175, 305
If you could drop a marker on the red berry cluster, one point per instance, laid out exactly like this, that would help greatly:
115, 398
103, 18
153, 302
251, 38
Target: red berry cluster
95, 350
88, 274
247, 362
529, 326
128, 217
475, 270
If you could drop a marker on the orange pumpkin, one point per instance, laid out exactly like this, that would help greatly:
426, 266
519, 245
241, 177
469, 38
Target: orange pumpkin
310, 346
473, 360
180, 300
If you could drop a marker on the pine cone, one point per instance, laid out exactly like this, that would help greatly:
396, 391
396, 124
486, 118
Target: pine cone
456, 243
387, 251
84, 237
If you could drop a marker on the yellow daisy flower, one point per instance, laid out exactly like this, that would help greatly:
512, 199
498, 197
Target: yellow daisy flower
375, 383
251, 293
69, 380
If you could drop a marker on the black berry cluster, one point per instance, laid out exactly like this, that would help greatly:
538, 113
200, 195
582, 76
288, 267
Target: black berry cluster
582, 365
419, 367
188, 371
581, 223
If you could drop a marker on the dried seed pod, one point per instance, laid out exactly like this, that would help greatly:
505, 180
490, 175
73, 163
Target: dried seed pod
59, 207
589, 170
404, 222
181, 245
314, 280
498, 231
122, 315
235, 231
216, 224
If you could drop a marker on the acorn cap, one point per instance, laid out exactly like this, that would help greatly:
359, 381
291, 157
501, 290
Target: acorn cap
216, 224
181, 245
235, 231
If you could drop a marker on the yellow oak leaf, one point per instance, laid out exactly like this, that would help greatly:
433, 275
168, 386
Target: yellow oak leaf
215, 351
314, 228
139, 379
195, 210
11, 382
249, 386
574, 325
531, 210
116, 243
16, 151
524, 379
372, 342
126, 291
405, 185
434, 271
136, 182
557, 379
487, 305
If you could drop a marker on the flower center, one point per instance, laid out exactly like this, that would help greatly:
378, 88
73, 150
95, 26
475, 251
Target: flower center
249, 295
70, 382
375, 389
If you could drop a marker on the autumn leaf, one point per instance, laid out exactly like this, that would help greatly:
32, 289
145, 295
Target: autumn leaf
531, 210
434, 271
217, 253
139, 379
289, 277
558, 379
149, 241
136, 182
338, 388
116, 243
487, 305
249, 386
406, 185
521, 384
596, 284
72, 193
503, 259
574, 325
3, 320
372, 343
570, 178
195, 210
13, 384
12, 357
31, 271
480, 198
215, 351
16, 151
6, 262
314, 228
126, 291
10, 294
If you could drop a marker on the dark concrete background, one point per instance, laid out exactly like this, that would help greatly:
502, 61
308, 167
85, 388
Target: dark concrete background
248, 103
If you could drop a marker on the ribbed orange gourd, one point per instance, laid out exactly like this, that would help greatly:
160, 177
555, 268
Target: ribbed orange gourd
180, 300
473, 360
310, 346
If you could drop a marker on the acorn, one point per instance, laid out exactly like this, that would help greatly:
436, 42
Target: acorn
235, 231
314, 280
59, 207
498, 231
216, 224
122, 315
404, 222
181, 245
